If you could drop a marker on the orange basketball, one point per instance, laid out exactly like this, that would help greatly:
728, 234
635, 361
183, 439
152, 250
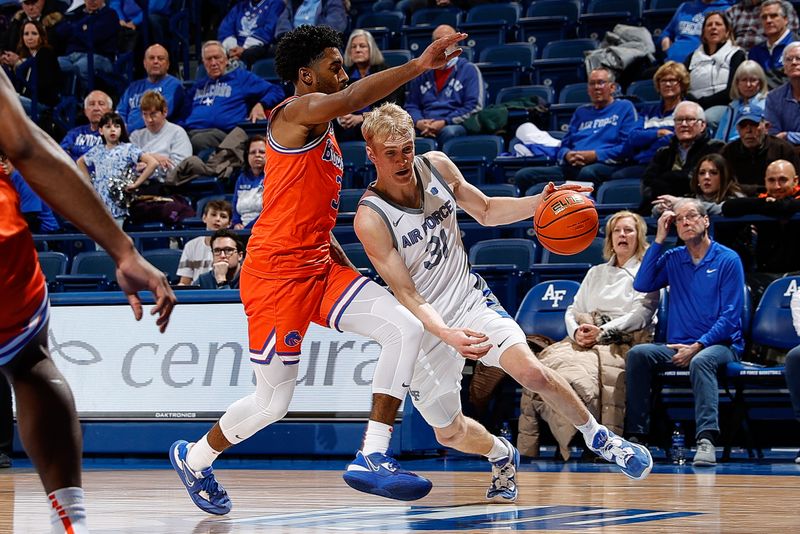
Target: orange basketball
566, 223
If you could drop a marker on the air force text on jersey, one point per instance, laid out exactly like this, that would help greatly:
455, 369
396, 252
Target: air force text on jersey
430, 223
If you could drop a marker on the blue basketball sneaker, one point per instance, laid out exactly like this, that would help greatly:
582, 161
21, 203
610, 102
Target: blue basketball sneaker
504, 472
380, 474
203, 488
633, 459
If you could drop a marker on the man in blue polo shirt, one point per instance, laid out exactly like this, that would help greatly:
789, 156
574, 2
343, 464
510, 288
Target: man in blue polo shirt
593, 147
704, 331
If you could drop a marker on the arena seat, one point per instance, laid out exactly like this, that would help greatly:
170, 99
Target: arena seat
542, 310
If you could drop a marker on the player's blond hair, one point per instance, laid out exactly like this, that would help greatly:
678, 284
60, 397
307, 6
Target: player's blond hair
387, 121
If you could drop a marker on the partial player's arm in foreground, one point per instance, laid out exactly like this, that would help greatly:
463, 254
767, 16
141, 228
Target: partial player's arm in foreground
377, 241
55, 178
491, 211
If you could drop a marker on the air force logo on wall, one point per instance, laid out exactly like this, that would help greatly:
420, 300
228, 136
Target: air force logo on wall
293, 338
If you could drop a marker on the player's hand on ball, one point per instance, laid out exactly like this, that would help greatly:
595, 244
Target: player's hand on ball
469, 343
551, 188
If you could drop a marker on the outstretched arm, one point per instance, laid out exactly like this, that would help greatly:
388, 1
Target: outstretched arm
55, 178
491, 211
377, 241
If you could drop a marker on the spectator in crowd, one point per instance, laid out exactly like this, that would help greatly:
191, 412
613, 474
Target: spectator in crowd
218, 102
91, 28
196, 257
712, 66
656, 123
682, 34
361, 58
745, 17
782, 108
748, 92
712, 184
775, 250
769, 54
168, 143
754, 150
593, 147
131, 17
106, 164
37, 63
793, 364
331, 13
606, 318
158, 15
156, 65
248, 30
440, 100
37, 213
48, 13
704, 331
250, 184
80, 139
228, 252
669, 172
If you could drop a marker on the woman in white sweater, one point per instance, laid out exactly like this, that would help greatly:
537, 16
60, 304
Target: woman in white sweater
605, 319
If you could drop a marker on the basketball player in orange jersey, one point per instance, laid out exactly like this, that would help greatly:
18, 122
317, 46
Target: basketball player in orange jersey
46, 416
407, 223
296, 273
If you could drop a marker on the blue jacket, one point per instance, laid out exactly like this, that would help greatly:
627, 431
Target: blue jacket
170, 88
772, 63
603, 130
207, 281
29, 202
782, 112
462, 95
686, 25
245, 21
643, 140
102, 29
225, 102
329, 13
127, 10
80, 140
726, 130
245, 183
705, 300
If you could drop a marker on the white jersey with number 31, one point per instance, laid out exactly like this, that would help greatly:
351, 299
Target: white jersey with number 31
429, 241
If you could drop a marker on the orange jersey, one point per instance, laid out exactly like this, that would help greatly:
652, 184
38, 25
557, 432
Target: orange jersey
291, 238
22, 284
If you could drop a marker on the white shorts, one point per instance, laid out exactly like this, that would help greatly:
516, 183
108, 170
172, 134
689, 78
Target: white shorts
436, 384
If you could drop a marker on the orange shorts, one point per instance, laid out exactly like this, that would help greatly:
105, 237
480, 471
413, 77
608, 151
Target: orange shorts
280, 310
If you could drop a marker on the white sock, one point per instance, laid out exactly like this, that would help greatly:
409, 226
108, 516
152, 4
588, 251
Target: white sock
376, 438
200, 455
499, 450
67, 512
589, 429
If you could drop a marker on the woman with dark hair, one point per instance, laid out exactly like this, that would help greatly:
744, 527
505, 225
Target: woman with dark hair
712, 66
249, 188
37, 70
362, 57
712, 184
110, 166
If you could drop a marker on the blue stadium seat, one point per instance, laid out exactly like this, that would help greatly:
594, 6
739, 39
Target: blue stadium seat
348, 200
91, 271
505, 65
490, 24
616, 195
355, 252
383, 25
474, 154
265, 68
570, 98
572, 267
435, 16
505, 265
394, 58
165, 260
542, 310
499, 190
544, 92
602, 15
357, 166
562, 62
658, 15
52, 264
549, 20
424, 144
644, 90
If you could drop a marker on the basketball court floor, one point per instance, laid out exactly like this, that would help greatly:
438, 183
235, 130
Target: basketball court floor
309, 496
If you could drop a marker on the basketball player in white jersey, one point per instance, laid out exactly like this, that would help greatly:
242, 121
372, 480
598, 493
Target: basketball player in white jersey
407, 223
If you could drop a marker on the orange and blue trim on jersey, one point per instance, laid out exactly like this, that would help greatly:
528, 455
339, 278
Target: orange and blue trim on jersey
11, 347
344, 300
303, 149
268, 348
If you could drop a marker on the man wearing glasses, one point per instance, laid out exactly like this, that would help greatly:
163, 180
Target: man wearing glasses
782, 109
704, 331
669, 173
228, 253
